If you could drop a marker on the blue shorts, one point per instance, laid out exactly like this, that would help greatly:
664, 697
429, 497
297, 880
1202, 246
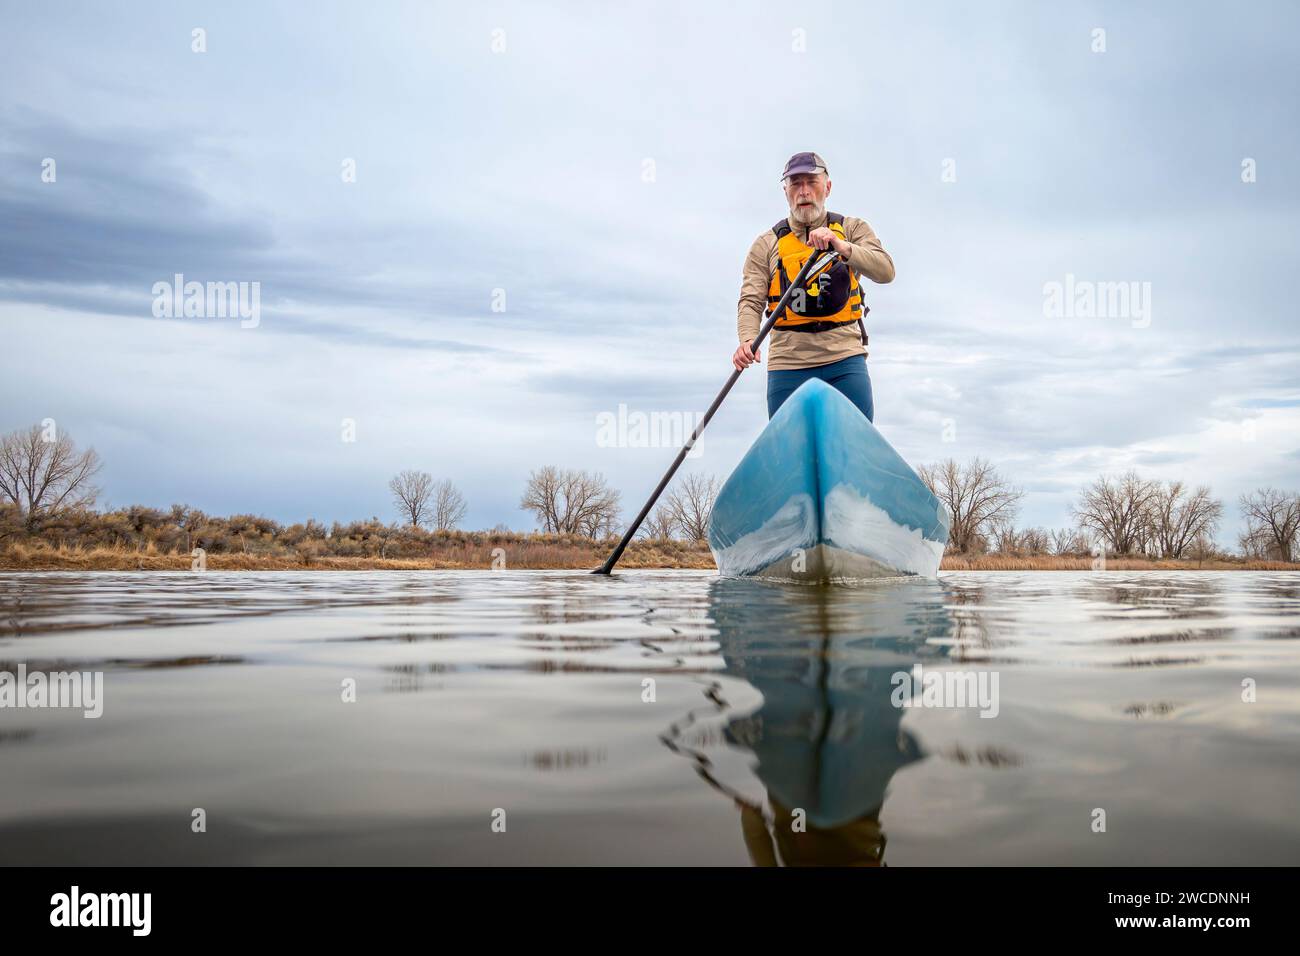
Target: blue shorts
848, 375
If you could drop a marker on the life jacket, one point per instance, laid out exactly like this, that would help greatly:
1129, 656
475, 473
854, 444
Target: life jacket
832, 298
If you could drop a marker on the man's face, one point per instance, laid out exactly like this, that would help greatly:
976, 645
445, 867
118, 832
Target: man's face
806, 193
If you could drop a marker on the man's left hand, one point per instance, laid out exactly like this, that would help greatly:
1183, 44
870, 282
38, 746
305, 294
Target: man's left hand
822, 237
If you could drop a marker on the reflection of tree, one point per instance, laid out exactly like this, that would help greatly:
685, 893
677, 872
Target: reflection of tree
1191, 596
827, 738
969, 630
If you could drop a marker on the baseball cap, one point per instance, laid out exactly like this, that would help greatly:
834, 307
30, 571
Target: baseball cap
804, 163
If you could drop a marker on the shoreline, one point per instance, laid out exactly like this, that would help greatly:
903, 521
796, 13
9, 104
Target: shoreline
639, 556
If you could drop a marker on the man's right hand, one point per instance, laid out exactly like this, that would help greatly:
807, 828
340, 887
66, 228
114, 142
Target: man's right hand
745, 356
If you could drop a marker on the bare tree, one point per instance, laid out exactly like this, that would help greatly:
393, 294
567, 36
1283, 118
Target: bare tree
976, 496
44, 476
412, 491
1003, 538
571, 502
542, 497
1144, 537
1178, 517
1035, 541
448, 506
1117, 511
691, 503
1068, 541
659, 525
1272, 522
1201, 549
11, 520
188, 520
1252, 546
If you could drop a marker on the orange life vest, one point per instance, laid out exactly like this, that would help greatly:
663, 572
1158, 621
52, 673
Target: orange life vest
829, 300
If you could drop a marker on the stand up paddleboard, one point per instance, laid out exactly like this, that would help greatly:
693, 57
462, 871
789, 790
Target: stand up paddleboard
821, 497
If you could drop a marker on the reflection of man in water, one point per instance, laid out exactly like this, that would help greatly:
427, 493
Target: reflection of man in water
827, 738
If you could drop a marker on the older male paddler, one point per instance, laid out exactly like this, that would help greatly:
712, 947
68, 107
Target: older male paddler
822, 334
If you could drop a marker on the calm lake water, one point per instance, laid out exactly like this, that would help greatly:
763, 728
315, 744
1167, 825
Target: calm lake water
654, 718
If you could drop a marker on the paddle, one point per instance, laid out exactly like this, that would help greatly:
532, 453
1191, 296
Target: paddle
814, 265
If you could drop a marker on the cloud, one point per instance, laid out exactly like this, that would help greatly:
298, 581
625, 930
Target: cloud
521, 178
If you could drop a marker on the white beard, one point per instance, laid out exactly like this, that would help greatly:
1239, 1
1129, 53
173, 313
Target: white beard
808, 217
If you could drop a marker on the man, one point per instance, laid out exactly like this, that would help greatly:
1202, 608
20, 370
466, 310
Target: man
822, 334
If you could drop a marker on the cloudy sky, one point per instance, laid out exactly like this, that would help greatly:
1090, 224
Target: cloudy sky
550, 209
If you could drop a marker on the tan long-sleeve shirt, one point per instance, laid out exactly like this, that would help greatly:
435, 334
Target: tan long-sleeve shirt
805, 349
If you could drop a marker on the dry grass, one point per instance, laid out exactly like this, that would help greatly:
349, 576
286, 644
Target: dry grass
1046, 562
519, 553
525, 552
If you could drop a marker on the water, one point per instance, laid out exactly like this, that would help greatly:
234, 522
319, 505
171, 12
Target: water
525, 698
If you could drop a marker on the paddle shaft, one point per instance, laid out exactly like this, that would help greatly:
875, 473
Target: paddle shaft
763, 330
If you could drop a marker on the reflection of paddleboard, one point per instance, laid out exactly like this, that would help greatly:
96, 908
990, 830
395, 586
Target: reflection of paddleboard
827, 737
821, 496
